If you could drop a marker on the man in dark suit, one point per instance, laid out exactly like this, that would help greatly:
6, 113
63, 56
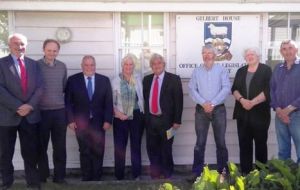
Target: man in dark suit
20, 92
163, 110
89, 105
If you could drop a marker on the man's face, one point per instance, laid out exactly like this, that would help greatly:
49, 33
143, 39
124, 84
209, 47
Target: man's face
17, 46
208, 57
288, 52
88, 67
157, 66
51, 51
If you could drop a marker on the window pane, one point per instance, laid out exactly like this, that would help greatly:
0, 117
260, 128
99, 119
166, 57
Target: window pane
142, 34
278, 23
3, 33
295, 27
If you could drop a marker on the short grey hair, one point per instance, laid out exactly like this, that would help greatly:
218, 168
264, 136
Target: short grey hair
292, 42
156, 56
88, 57
209, 47
256, 51
18, 35
131, 57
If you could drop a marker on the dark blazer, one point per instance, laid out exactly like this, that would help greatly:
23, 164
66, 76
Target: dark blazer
11, 97
170, 100
260, 82
78, 105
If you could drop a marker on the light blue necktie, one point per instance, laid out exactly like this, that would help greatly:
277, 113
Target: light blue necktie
90, 88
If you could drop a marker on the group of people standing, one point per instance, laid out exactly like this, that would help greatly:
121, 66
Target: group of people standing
39, 101
256, 90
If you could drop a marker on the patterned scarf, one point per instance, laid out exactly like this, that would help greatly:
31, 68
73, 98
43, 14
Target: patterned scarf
128, 95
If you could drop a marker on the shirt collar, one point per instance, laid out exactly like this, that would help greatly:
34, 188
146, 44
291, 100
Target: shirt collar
161, 76
296, 62
50, 64
86, 77
15, 58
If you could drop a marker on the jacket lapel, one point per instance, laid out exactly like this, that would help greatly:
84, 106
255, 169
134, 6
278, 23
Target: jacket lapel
83, 86
12, 68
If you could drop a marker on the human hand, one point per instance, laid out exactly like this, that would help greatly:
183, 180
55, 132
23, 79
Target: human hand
106, 126
72, 125
176, 125
247, 104
208, 107
283, 115
24, 110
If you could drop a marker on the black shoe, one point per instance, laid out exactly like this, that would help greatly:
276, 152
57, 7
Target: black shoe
192, 178
43, 180
60, 181
86, 179
33, 187
97, 178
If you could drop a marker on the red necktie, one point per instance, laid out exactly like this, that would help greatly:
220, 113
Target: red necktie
154, 101
23, 76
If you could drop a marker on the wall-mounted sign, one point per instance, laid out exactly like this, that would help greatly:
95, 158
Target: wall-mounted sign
229, 34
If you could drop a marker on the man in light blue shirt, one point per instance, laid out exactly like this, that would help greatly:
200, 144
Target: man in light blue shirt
209, 87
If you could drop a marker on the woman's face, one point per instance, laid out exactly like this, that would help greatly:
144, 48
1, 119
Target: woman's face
251, 58
128, 67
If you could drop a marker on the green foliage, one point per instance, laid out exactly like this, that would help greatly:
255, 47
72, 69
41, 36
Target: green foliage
3, 30
168, 186
274, 175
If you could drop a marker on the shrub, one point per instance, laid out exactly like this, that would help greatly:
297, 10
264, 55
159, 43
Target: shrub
275, 174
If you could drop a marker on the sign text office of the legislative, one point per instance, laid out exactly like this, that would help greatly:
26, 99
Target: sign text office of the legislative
229, 34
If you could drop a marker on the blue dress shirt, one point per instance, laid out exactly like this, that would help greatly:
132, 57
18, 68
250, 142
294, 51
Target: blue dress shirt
285, 86
209, 85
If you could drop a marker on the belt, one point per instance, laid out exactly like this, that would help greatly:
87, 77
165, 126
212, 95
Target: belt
158, 115
215, 107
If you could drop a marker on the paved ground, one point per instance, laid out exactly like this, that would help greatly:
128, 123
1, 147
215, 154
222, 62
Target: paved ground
109, 182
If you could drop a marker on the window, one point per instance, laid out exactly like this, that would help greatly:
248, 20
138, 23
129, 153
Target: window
142, 34
3, 33
282, 26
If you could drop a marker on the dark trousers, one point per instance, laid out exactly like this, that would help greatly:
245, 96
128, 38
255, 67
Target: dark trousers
159, 148
202, 121
28, 136
134, 129
91, 141
249, 130
53, 124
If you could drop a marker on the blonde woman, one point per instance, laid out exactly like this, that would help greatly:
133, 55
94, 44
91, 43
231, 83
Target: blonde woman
128, 117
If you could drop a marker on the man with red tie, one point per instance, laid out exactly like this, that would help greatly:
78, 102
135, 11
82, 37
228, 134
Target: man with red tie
20, 92
163, 110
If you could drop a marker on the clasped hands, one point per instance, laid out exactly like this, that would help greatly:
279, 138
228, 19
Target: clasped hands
283, 114
24, 110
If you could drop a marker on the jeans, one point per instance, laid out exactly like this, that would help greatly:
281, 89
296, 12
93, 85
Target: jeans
286, 132
202, 121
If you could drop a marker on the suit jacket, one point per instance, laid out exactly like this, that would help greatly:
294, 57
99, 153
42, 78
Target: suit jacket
259, 83
78, 105
170, 100
11, 97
